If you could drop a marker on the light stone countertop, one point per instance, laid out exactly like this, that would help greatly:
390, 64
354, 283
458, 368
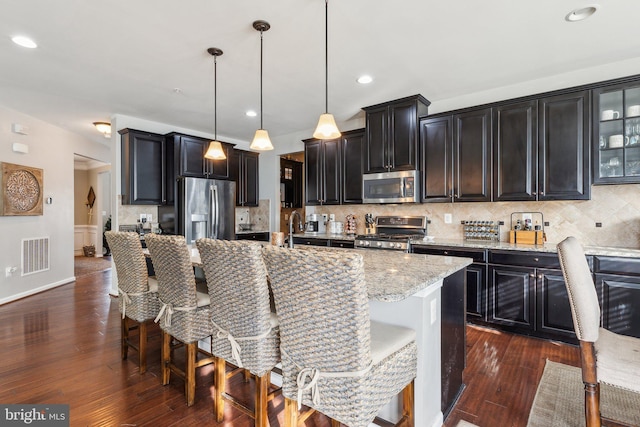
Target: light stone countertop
394, 275
330, 236
548, 247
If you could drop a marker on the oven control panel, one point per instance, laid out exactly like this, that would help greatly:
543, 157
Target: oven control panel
381, 244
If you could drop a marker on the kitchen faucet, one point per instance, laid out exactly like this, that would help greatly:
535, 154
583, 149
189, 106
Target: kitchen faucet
301, 226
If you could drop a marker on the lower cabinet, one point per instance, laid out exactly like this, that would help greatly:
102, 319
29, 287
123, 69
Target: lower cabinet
260, 236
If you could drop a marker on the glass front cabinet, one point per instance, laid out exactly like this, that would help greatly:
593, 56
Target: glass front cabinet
617, 134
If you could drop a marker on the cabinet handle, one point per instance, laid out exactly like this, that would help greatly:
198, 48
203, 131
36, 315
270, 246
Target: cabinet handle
542, 193
446, 252
532, 275
536, 259
540, 276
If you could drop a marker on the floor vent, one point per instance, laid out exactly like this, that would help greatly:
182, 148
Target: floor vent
35, 255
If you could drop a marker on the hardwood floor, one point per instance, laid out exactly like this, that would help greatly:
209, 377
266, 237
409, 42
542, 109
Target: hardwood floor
63, 346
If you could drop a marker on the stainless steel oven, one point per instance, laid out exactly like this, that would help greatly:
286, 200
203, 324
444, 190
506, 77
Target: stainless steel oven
393, 232
391, 187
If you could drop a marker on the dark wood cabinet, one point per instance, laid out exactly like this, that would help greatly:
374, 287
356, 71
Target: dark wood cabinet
291, 183
322, 171
143, 176
392, 134
243, 169
188, 156
618, 284
259, 236
353, 144
511, 297
541, 149
456, 157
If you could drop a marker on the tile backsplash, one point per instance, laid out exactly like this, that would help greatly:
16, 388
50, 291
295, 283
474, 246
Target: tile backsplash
616, 207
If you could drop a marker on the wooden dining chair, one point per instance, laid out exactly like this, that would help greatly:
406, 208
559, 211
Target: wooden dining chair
185, 313
137, 292
245, 330
606, 357
334, 358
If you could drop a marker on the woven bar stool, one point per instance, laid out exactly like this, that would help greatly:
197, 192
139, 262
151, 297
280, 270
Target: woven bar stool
185, 314
138, 293
245, 330
334, 359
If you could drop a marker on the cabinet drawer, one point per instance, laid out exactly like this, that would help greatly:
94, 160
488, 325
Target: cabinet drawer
341, 243
616, 265
478, 255
525, 259
310, 241
259, 236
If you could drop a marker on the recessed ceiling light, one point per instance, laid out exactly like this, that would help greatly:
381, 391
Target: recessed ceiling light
251, 113
24, 42
582, 13
365, 79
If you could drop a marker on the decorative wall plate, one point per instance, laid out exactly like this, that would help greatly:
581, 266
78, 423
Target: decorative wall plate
21, 190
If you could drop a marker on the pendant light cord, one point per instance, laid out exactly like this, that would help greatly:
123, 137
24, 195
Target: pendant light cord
326, 56
261, 79
215, 98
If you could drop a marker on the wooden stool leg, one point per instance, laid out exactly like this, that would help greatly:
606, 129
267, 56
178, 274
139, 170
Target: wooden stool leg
592, 404
408, 405
262, 390
335, 423
219, 377
142, 346
124, 338
190, 373
166, 357
290, 413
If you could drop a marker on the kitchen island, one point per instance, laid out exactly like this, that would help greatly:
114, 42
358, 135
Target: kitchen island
425, 293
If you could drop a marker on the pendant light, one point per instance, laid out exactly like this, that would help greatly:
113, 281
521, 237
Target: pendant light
326, 128
261, 139
215, 150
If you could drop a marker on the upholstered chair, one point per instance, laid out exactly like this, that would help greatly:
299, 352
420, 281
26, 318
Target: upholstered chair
334, 358
245, 332
137, 292
606, 357
185, 314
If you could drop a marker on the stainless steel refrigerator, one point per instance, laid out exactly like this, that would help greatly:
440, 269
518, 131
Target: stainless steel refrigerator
203, 208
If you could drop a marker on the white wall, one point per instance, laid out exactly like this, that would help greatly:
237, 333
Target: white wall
51, 149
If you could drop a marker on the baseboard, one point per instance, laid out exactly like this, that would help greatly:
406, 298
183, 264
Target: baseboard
36, 290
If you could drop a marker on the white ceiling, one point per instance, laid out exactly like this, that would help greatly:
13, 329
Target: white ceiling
100, 59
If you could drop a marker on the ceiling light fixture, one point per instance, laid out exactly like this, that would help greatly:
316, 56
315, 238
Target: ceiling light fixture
581, 13
251, 113
261, 139
363, 80
24, 42
104, 128
215, 150
327, 128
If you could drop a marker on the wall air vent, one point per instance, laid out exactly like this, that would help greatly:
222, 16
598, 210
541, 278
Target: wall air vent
35, 255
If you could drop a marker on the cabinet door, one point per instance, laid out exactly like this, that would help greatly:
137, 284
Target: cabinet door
143, 168
376, 157
403, 136
436, 139
511, 298
218, 169
250, 178
476, 291
313, 171
472, 156
331, 172
235, 171
620, 303
553, 307
563, 147
192, 161
352, 155
515, 152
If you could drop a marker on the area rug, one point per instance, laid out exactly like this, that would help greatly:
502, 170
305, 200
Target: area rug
559, 400
463, 423
89, 265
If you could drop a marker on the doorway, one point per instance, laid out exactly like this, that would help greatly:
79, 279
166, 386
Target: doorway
291, 187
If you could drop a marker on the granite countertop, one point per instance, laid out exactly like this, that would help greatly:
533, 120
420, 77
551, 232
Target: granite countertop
547, 247
251, 231
330, 236
393, 275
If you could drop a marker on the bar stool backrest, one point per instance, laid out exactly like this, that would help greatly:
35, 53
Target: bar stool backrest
128, 257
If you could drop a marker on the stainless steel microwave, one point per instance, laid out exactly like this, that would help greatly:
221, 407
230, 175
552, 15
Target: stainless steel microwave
391, 187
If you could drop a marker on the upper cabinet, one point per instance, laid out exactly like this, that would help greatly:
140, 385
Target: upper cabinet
456, 157
353, 145
243, 169
616, 118
143, 168
187, 153
541, 149
322, 171
392, 134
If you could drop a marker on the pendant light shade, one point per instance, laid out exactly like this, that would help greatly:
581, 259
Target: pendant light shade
261, 139
215, 151
326, 128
